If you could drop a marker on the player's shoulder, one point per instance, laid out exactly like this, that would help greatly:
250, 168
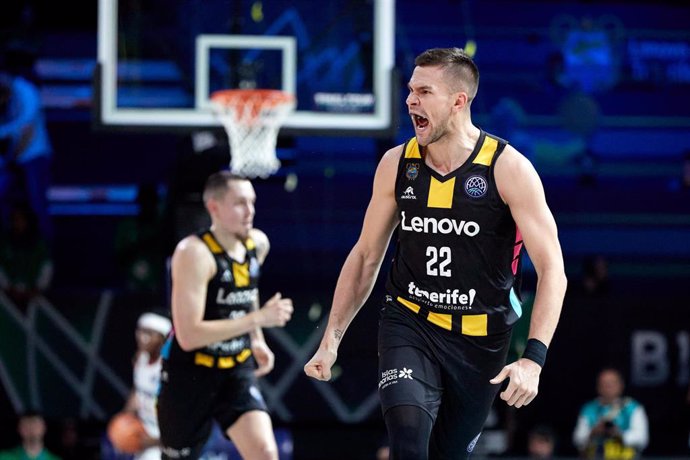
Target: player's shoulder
190, 242
257, 234
512, 162
191, 247
259, 240
390, 160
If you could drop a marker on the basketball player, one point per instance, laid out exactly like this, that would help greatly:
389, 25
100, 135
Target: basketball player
463, 203
152, 330
210, 360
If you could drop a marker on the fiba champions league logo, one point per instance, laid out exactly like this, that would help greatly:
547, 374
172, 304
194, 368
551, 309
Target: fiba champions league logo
475, 186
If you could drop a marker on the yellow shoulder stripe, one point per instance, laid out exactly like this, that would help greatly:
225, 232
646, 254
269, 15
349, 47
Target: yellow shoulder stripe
486, 154
212, 244
249, 243
412, 149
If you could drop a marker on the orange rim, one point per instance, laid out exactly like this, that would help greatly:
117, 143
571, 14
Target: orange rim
259, 97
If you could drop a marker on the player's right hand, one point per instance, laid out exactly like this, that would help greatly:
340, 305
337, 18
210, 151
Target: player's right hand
319, 366
276, 312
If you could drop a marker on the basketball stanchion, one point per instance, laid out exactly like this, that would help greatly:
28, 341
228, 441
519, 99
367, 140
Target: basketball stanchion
252, 119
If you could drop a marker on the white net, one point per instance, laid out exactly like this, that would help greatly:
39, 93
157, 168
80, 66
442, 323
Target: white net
252, 119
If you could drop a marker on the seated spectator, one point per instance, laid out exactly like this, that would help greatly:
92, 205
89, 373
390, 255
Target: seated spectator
70, 443
612, 426
541, 443
26, 269
32, 430
595, 276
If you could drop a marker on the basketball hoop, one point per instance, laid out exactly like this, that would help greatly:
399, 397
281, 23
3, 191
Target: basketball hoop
252, 119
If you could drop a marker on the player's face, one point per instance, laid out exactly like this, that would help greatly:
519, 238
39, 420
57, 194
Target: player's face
429, 103
235, 211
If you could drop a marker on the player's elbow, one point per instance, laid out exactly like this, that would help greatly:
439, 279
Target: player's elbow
555, 274
563, 281
369, 258
186, 341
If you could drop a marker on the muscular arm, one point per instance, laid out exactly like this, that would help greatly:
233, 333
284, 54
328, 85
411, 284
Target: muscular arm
192, 268
521, 189
359, 272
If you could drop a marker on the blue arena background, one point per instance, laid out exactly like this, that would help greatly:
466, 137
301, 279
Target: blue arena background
603, 116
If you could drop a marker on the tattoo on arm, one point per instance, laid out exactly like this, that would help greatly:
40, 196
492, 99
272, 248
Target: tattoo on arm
338, 334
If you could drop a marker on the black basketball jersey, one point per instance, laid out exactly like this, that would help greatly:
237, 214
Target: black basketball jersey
231, 293
457, 261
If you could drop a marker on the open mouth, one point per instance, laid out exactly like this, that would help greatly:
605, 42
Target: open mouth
419, 121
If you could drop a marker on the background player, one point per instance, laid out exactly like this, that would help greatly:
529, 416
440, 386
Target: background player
210, 360
152, 330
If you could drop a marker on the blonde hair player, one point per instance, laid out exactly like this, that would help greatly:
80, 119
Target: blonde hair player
217, 350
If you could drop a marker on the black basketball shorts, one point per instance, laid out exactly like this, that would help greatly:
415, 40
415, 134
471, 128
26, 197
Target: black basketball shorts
191, 397
443, 372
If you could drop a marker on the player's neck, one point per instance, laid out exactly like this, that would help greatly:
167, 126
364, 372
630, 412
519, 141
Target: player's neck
231, 242
451, 151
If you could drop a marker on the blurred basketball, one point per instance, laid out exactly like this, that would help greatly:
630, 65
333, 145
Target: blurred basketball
125, 432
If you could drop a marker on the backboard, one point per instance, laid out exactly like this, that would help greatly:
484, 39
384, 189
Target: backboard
159, 60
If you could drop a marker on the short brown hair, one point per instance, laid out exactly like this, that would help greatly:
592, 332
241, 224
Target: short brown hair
459, 65
217, 184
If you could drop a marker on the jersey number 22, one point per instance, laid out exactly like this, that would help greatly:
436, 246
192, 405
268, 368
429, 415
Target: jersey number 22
439, 259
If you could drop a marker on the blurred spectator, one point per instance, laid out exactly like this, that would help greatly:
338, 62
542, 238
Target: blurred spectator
140, 242
32, 431
26, 268
508, 121
71, 446
151, 332
25, 150
612, 426
541, 443
591, 61
595, 276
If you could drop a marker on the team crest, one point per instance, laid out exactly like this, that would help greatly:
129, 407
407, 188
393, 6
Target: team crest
412, 171
476, 186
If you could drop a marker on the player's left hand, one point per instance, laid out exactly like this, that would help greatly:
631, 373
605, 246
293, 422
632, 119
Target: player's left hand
523, 385
264, 358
